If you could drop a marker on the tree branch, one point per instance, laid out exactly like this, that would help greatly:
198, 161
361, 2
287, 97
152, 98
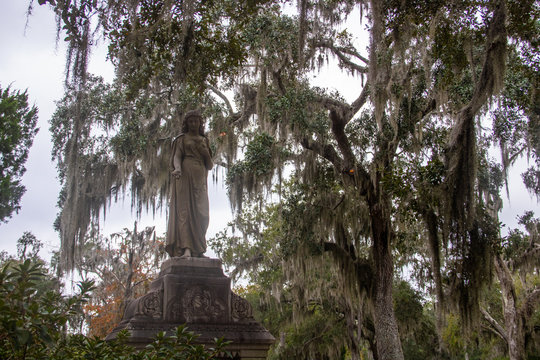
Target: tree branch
359, 102
354, 53
338, 129
326, 151
278, 80
340, 52
432, 105
495, 326
332, 104
223, 97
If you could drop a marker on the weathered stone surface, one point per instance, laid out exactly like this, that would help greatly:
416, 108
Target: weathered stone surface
194, 291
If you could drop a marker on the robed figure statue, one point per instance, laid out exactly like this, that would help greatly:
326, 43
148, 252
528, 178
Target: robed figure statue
191, 160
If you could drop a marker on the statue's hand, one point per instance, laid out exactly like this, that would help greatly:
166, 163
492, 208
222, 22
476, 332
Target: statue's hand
177, 173
202, 148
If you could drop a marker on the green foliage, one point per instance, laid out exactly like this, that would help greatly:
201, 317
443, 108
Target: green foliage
261, 158
272, 38
258, 257
181, 346
315, 334
33, 313
299, 110
17, 130
198, 42
81, 123
515, 126
523, 24
258, 158
177, 346
477, 345
130, 141
34, 318
416, 323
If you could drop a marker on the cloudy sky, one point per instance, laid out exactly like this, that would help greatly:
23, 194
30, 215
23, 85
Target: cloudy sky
31, 59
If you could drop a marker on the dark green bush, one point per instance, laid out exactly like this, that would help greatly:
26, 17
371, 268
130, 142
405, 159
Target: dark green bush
34, 319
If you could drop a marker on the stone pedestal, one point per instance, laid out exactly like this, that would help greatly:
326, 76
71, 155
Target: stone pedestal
195, 292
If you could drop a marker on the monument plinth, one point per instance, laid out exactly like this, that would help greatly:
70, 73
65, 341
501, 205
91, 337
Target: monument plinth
195, 292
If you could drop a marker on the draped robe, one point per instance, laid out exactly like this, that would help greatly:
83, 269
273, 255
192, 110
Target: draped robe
188, 211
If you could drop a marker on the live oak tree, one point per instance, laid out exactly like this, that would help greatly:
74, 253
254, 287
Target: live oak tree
430, 69
17, 130
405, 149
303, 302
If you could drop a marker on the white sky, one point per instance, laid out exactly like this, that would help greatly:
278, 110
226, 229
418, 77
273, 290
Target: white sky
30, 59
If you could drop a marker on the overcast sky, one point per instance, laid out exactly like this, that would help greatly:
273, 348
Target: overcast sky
30, 59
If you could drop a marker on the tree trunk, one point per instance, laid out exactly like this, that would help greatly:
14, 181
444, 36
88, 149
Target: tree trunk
512, 318
430, 219
386, 329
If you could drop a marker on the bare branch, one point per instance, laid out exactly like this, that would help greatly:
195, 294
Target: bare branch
223, 97
330, 103
359, 102
354, 53
495, 326
348, 110
340, 52
351, 167
326, 151
338, 129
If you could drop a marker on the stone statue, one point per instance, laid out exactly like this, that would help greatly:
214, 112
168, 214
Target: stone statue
188, 213
191, 288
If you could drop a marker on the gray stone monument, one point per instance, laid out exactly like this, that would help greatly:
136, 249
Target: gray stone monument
191, 289
194, 291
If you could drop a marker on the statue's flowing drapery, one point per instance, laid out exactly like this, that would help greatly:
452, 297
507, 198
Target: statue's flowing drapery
188, 211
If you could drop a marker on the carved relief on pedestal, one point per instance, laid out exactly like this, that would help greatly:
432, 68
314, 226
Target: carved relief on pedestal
199, 304
195, 291
240, 308
151, 304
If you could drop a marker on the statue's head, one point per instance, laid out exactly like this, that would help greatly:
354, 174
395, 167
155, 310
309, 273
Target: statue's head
193, 115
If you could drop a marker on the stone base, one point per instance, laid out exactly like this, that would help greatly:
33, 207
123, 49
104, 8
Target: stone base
195, 292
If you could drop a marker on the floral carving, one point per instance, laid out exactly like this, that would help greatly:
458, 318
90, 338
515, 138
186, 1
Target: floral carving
241, 308
152, 304
199, 304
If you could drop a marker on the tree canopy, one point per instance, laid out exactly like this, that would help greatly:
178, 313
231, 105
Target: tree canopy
396, 172
17, 130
